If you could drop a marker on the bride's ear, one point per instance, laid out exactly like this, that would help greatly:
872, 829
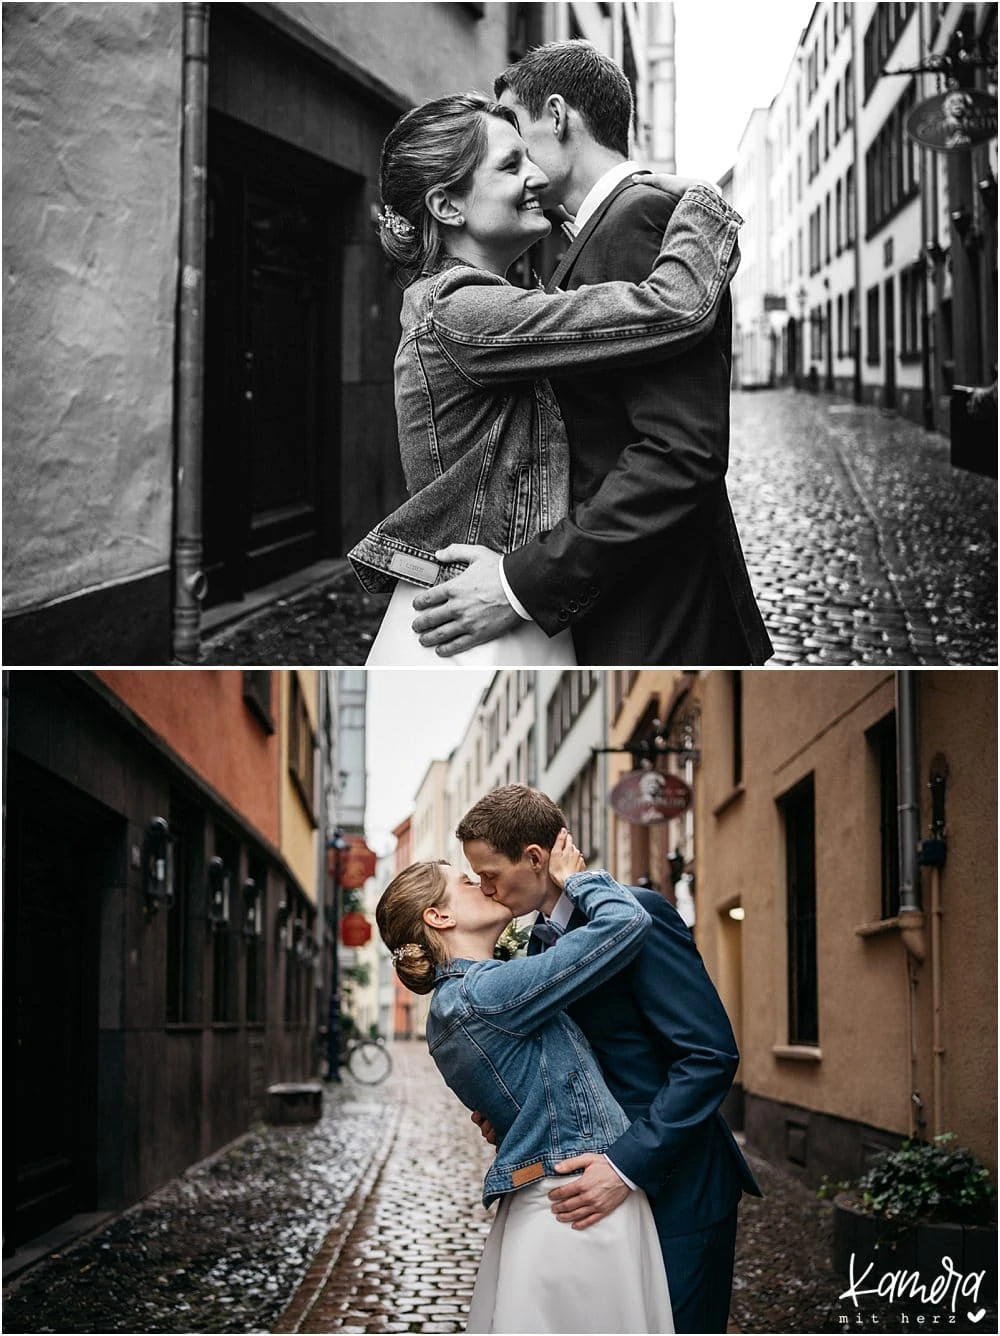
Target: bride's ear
442, 208
437, 917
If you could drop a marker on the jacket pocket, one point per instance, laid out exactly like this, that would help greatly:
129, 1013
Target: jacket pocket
581, 1104
521, 504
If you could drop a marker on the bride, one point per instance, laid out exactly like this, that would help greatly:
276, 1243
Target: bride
482, 442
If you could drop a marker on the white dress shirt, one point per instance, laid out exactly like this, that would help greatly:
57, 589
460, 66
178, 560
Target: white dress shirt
592, 201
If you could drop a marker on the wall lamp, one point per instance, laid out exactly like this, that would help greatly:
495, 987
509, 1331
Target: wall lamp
935, 253
987, 188
217, 885
968, 233
283, 915
158, 871
253, 910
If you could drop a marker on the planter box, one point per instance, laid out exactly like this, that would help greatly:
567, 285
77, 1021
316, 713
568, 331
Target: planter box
294, 1102
969, 1247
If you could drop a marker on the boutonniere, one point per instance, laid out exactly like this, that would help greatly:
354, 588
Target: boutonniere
513, 941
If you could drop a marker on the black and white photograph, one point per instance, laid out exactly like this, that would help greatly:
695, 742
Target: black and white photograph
499, 667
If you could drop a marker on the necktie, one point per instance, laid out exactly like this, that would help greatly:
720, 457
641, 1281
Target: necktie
546, 932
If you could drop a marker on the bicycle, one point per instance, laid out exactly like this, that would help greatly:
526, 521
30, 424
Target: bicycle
367, 1060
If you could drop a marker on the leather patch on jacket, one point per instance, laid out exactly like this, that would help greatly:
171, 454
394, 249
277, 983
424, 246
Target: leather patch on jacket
528, 1174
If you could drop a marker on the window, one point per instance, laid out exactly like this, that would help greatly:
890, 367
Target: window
301, 748
840, 325
881, 36
736, 687
882, 748
826, 228
573, 691
839, 208
836, 114
257, 696
826, 132
852, 320
848, 97
850, 204
579, 803
911, 288
798, 810
891, 178
873, 328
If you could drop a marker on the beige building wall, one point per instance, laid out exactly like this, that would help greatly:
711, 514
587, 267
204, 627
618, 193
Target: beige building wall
857, 1084
298, 819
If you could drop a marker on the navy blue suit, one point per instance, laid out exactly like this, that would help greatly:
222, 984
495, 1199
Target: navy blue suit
668, 1054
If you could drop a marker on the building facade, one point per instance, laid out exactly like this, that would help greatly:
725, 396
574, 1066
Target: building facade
861, 984
198, 398
879, 281
163, 860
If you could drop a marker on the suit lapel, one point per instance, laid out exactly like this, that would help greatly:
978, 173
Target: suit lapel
583, 236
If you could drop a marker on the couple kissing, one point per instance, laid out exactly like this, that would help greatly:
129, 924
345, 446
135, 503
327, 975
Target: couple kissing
596, 1064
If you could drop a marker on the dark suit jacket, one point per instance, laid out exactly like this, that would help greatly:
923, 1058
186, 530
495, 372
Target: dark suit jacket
647, 568
665, 1045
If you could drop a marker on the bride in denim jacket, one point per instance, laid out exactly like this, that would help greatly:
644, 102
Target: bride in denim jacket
484, 450
501, 1039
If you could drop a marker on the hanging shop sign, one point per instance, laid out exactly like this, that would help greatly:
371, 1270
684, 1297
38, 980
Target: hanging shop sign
649, 797
352, 866
954, 122
355, 930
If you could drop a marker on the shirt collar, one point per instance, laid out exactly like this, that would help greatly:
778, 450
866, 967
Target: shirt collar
601, 189
562, 913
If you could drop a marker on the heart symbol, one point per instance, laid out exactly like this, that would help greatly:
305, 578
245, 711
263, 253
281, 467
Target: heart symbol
976, 1317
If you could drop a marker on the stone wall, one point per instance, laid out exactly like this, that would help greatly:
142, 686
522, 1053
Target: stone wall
92, 127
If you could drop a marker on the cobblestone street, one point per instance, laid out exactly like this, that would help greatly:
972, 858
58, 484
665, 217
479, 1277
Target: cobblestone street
864, 545
370, 1221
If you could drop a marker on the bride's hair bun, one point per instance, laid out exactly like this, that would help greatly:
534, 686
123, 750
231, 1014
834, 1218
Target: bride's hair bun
417, 950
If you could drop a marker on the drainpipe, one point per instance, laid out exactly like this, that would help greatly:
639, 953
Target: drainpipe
911, 916
926, 168
189, 578
856, 150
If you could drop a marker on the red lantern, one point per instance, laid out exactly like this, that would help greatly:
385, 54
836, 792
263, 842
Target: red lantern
355, 930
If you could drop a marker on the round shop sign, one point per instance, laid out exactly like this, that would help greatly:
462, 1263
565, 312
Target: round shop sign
955, 121
648, 797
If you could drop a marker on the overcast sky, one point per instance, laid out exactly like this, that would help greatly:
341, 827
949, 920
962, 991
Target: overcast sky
414, 716
732, 56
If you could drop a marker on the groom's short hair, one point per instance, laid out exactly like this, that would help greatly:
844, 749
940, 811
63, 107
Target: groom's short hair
589, 82
510, 818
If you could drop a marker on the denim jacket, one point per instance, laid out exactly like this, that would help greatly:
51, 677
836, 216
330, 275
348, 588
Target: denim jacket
505, 1046
484, 449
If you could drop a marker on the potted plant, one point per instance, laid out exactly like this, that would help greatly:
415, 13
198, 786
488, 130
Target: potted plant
913, 1208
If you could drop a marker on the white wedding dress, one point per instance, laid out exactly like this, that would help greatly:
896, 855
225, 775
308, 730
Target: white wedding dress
396, 646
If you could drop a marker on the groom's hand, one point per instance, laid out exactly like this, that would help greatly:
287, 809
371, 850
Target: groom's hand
590, 1197
467, 610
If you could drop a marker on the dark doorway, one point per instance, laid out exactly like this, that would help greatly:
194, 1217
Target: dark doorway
58, 853
793, 369
271, 449
890, 343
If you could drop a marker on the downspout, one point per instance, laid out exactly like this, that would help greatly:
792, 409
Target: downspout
925, 320
911, 916
856, 149
189, 578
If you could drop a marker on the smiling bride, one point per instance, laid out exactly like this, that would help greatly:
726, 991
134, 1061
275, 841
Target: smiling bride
484, 450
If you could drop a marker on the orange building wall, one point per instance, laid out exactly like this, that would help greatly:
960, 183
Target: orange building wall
194, 711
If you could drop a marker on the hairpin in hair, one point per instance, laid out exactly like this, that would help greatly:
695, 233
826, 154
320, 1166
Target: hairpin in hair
394, 222
406, 951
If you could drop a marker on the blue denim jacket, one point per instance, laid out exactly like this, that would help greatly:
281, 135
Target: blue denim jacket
483, 445
505, 1046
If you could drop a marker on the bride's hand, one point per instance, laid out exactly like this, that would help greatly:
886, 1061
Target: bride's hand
673, 185
565, 859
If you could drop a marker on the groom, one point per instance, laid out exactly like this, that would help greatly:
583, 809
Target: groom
648, 567
668, 1054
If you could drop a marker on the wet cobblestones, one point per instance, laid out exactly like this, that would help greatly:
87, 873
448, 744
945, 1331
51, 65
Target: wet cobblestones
864, 546
371, 1221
